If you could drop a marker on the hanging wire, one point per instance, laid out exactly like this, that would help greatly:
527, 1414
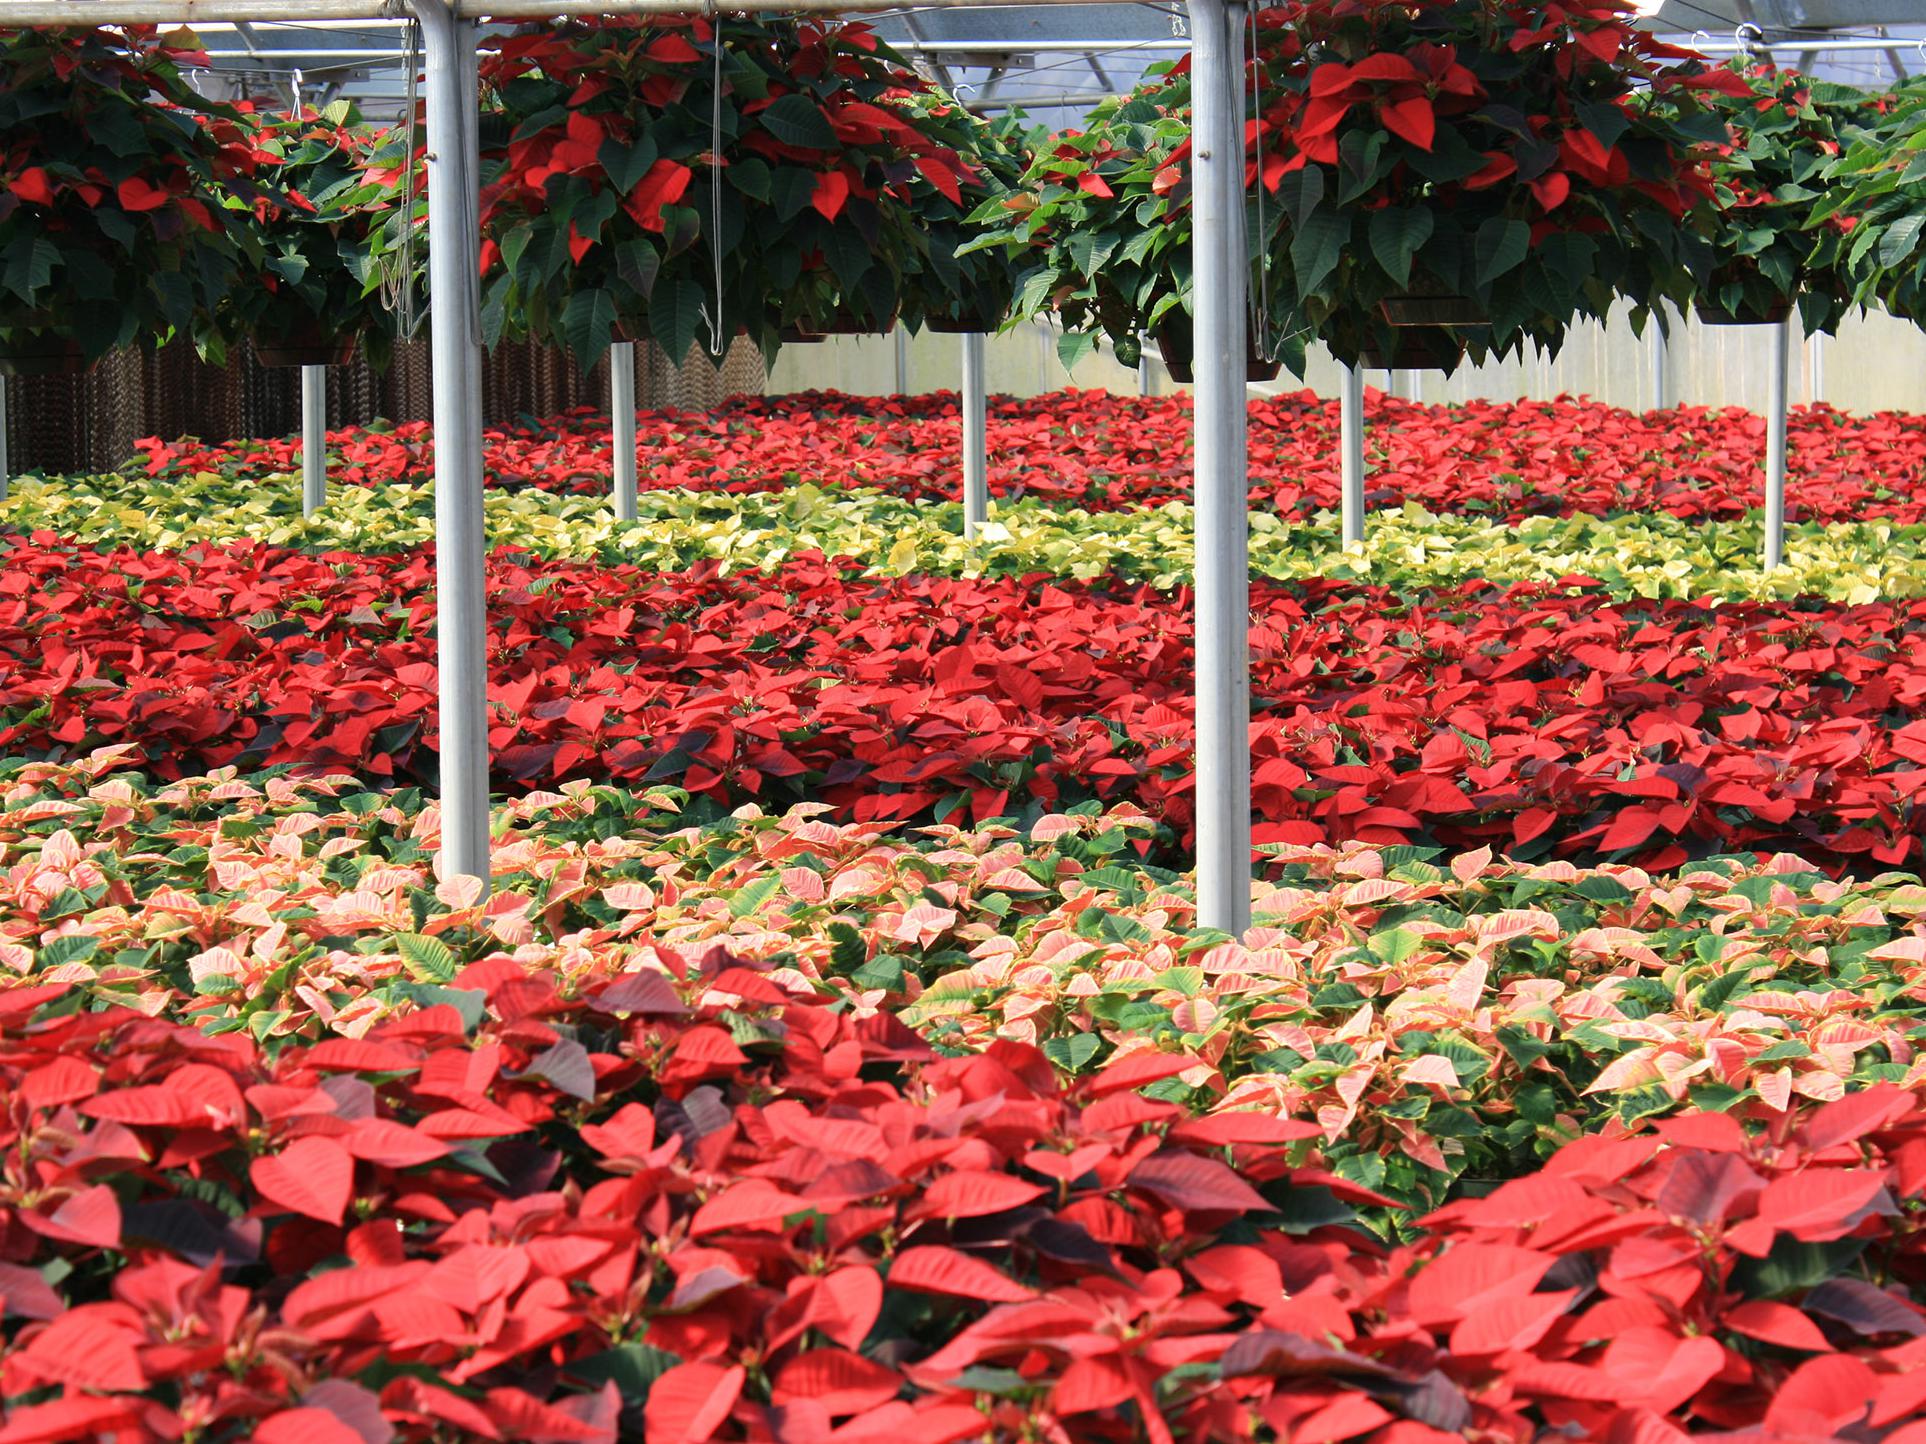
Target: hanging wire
1259, 299
714, 317
397, 279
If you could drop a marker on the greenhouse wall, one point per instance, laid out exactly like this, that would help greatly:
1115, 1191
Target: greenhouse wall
1875, 363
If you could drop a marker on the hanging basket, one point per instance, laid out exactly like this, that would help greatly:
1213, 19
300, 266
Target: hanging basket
1433, 311
1176, 344
42, 356
306, 348
1420, 348
840, 325
1711, 313
962, 325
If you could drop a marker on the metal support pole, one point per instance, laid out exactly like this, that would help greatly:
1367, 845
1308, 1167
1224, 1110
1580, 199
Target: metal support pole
902, 362
314, 439
1351, 443
6, 468
1817, 341
1775, 481
1661, 363
976, 438
1146, 378
454, 270
622, 425
1222, 640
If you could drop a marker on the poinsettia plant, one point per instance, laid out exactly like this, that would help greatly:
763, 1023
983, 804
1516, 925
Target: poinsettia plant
106, 157
950, 286
689, 176
1482, 155
1099, 225
312, 214
1871, 220
1784, 131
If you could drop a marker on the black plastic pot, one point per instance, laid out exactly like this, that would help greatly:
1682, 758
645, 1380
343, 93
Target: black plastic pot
961, 325
1433, 311
1711, 313
1176, 343
311, 349
42, 356
1420, 348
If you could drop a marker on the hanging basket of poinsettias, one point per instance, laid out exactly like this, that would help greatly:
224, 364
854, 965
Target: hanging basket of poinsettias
1425, 175
1869, 222
107, 156
310, 214
694, 179
1782, 132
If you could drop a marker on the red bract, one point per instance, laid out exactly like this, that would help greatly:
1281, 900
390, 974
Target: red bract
1532, 719
697, 1205
1090, 449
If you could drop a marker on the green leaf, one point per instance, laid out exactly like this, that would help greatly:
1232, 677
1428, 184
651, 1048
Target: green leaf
798, 120
749, 898
1090, 250
750, 176
675, 311
1035, 291
1074, 1052
632, 1368
1361, 162
429, 960
1317, 248
587, 325
886, 972
790, 190
1073, 346
72, 948
637, 265
626, 165
1500, 246
848, 951
1603, 119
1398, 233
515, 246
1900, 239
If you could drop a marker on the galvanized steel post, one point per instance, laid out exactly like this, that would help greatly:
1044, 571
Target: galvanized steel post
1775, 480
314, 439
1220, 270
976, 437
622, 426
1661, 358
454, 270
1351, 444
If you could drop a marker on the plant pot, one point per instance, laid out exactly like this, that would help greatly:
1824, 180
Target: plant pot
306, 349
1420, 348
834, 326
1711, 313
42, 356
858, 326
1176, 344
961, 325
1433, 311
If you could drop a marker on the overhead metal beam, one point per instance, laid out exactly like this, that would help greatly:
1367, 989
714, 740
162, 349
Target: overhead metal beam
190, 12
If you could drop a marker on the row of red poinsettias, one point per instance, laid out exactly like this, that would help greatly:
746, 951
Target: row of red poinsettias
702, 1206
1100, 451
1539, 719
